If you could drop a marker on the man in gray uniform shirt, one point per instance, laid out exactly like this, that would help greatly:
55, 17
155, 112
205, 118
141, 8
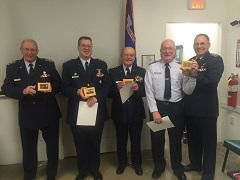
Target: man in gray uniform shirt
164, 85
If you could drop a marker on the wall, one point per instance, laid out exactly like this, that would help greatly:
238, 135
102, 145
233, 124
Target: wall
231, 116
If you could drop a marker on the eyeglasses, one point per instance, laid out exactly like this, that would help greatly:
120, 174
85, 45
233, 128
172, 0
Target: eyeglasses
200, 44
129, 55
86, 46
29, 49
167, 48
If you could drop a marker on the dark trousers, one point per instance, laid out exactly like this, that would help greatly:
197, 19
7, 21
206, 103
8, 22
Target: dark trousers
29, 139
134, 129
87, 141
175, 112
202, 140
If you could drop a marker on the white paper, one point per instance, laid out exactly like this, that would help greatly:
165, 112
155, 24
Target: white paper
126, 92
165, 124
87, 115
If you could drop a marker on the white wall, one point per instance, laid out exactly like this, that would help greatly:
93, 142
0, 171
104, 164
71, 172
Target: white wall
231, 116
57, 24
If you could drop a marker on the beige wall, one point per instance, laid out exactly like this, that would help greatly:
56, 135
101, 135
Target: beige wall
57, 24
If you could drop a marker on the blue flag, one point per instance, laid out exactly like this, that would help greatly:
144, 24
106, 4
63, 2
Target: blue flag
130, 38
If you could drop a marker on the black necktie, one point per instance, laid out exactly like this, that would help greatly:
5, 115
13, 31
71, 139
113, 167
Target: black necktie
128, 75
167, 90
31, 68
86, 67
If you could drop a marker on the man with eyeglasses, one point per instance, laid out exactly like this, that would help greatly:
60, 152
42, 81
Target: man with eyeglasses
201, 108
128, 116
78, 74
164, 85
38, 110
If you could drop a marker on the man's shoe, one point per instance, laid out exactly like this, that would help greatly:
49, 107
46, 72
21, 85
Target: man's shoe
156, 173
98, 176
180, 176
51, 178
190, 167
28, 178
80, 177
138, 171
120, 169
208, 177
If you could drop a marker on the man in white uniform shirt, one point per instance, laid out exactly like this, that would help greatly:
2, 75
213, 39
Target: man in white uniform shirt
164, 85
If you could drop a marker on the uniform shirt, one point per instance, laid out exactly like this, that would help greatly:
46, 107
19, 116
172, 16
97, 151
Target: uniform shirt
125, 69
84, 61
155, 83
203, 102
27, 65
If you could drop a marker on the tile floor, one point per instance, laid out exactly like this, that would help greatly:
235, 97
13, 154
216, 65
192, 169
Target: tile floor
67, 168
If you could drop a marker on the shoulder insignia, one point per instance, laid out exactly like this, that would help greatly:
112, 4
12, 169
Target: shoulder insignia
214, 55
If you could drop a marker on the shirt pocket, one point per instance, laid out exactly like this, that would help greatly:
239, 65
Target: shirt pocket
176, 81
158, 81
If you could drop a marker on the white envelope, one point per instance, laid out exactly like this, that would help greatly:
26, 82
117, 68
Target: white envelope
126, 92
87, 115
166, 123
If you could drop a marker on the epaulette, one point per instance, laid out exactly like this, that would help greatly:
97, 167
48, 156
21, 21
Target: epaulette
154, 62
214, 55
47, 60
13, 62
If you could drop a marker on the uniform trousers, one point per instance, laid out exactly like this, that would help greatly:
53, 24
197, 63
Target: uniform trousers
87, 141
175, 112
134, 129
202, 140
29, 139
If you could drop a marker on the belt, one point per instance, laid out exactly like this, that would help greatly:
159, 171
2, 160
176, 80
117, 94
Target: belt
166, 103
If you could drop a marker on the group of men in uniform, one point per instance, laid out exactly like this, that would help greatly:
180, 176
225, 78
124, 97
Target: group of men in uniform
35, 81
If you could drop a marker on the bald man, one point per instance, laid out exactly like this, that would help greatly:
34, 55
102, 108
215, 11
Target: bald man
37, 110
164, 84
128, 116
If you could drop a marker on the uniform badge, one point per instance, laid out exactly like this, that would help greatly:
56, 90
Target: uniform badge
44, 75
99, 73
17, 79
75, 75
138, 79
202, 69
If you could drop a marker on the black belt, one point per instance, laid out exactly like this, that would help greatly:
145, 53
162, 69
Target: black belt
166, 103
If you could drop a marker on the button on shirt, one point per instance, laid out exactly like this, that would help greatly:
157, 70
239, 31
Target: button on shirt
155, 83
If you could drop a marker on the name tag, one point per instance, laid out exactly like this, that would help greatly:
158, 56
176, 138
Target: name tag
74, 77
157, 72
18, 79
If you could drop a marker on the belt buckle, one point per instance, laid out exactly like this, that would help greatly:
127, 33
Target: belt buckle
166, 103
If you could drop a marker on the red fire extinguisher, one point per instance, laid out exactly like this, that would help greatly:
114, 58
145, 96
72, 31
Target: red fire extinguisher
232, 90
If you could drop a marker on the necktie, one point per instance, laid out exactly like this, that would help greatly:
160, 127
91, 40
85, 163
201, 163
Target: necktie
86, 67
128, 75
167, 90
31, 68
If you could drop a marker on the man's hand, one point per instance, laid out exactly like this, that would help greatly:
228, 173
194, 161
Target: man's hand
120, 84
29, 90
81, 93
91, 101
135, 87
194, 69
157, 117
